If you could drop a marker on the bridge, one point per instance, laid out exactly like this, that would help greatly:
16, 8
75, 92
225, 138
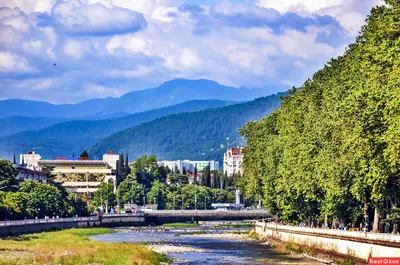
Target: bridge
171, 216
150, 217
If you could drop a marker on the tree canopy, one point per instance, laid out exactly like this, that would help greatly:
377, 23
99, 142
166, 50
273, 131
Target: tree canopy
333, 148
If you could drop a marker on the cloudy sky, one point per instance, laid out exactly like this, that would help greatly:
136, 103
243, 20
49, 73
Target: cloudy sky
109, 47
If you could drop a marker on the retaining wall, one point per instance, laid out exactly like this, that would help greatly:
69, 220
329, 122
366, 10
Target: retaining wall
33, 226
356, 244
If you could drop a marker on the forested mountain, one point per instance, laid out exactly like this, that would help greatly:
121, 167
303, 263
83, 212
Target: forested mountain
16, 124
199, 135
74, 136
332, 151
169, 93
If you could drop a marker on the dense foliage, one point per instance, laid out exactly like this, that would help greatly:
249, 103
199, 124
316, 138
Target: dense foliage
32, 199
150, 183
70, 137
332, 151
199, 135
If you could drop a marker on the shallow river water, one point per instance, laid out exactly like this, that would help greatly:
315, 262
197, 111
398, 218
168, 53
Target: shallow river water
214, 247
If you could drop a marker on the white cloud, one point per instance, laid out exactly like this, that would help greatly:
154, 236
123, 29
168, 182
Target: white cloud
29, 6
75, 48
350, 13
43, 85
96, 19
100, 53
130, 43
101, 91
10, 62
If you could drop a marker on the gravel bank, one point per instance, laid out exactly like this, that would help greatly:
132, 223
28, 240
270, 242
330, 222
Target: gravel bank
169, 249
225, 236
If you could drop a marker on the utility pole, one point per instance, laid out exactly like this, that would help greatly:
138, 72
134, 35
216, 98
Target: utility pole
195, 200
205, 203
174, 202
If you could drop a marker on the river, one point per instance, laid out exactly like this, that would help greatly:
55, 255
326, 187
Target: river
206, 244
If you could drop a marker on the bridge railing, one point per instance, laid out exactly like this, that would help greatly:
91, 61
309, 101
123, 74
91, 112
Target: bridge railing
334, 232
48, 221
166, 213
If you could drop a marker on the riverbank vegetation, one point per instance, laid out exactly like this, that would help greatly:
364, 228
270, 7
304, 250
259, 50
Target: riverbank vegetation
73, 247
32, 199
331, 154
146, 182
181, 225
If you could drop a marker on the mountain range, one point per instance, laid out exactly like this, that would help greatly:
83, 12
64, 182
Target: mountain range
169, 93
201, 135
69, 137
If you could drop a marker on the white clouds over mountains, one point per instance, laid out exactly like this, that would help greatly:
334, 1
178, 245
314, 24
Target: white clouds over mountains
125, 45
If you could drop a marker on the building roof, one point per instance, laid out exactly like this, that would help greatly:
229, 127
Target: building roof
75, 162
234, 151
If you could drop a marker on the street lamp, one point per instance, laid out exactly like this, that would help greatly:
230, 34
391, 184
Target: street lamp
195, 200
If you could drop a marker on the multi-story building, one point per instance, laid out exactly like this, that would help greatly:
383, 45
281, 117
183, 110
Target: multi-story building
189, 165
30, 160
233, 158
81, 176
25, 174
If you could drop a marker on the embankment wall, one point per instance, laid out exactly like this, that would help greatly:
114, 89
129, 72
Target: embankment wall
356, 244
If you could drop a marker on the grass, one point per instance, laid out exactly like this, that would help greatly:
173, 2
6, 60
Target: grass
252, 234
181, 225
74, 247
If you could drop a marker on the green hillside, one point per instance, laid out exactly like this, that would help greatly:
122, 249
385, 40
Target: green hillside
74, 136
332, 151
197, 135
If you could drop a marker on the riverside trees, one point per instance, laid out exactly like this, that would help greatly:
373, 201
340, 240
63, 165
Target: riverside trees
332, 151
31, 199
148, 182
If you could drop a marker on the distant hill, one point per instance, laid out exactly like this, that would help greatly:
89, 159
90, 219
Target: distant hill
197, 135
74, 136
11, 125
169, 93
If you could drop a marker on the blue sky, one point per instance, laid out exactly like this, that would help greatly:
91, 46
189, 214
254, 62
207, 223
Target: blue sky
110, 47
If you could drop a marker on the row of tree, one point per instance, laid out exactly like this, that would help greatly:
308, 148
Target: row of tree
331, 153
147, 183
32, 199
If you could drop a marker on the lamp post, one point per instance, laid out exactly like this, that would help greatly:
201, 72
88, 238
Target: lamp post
195, 200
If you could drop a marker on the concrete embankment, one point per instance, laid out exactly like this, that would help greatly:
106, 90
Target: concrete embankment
33, 226
353, 244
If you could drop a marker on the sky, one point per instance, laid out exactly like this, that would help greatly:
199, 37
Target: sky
70, 51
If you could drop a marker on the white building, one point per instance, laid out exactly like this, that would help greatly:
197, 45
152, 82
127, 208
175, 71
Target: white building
189, 165
233, 158
81, 176
25, 174
30, 159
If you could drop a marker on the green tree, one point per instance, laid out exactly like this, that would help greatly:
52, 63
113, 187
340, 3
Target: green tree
195, 176
158, 194
104, 196
130, 191
84, 154
8, 176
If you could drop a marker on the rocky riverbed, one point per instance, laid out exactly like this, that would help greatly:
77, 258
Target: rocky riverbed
205, 245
